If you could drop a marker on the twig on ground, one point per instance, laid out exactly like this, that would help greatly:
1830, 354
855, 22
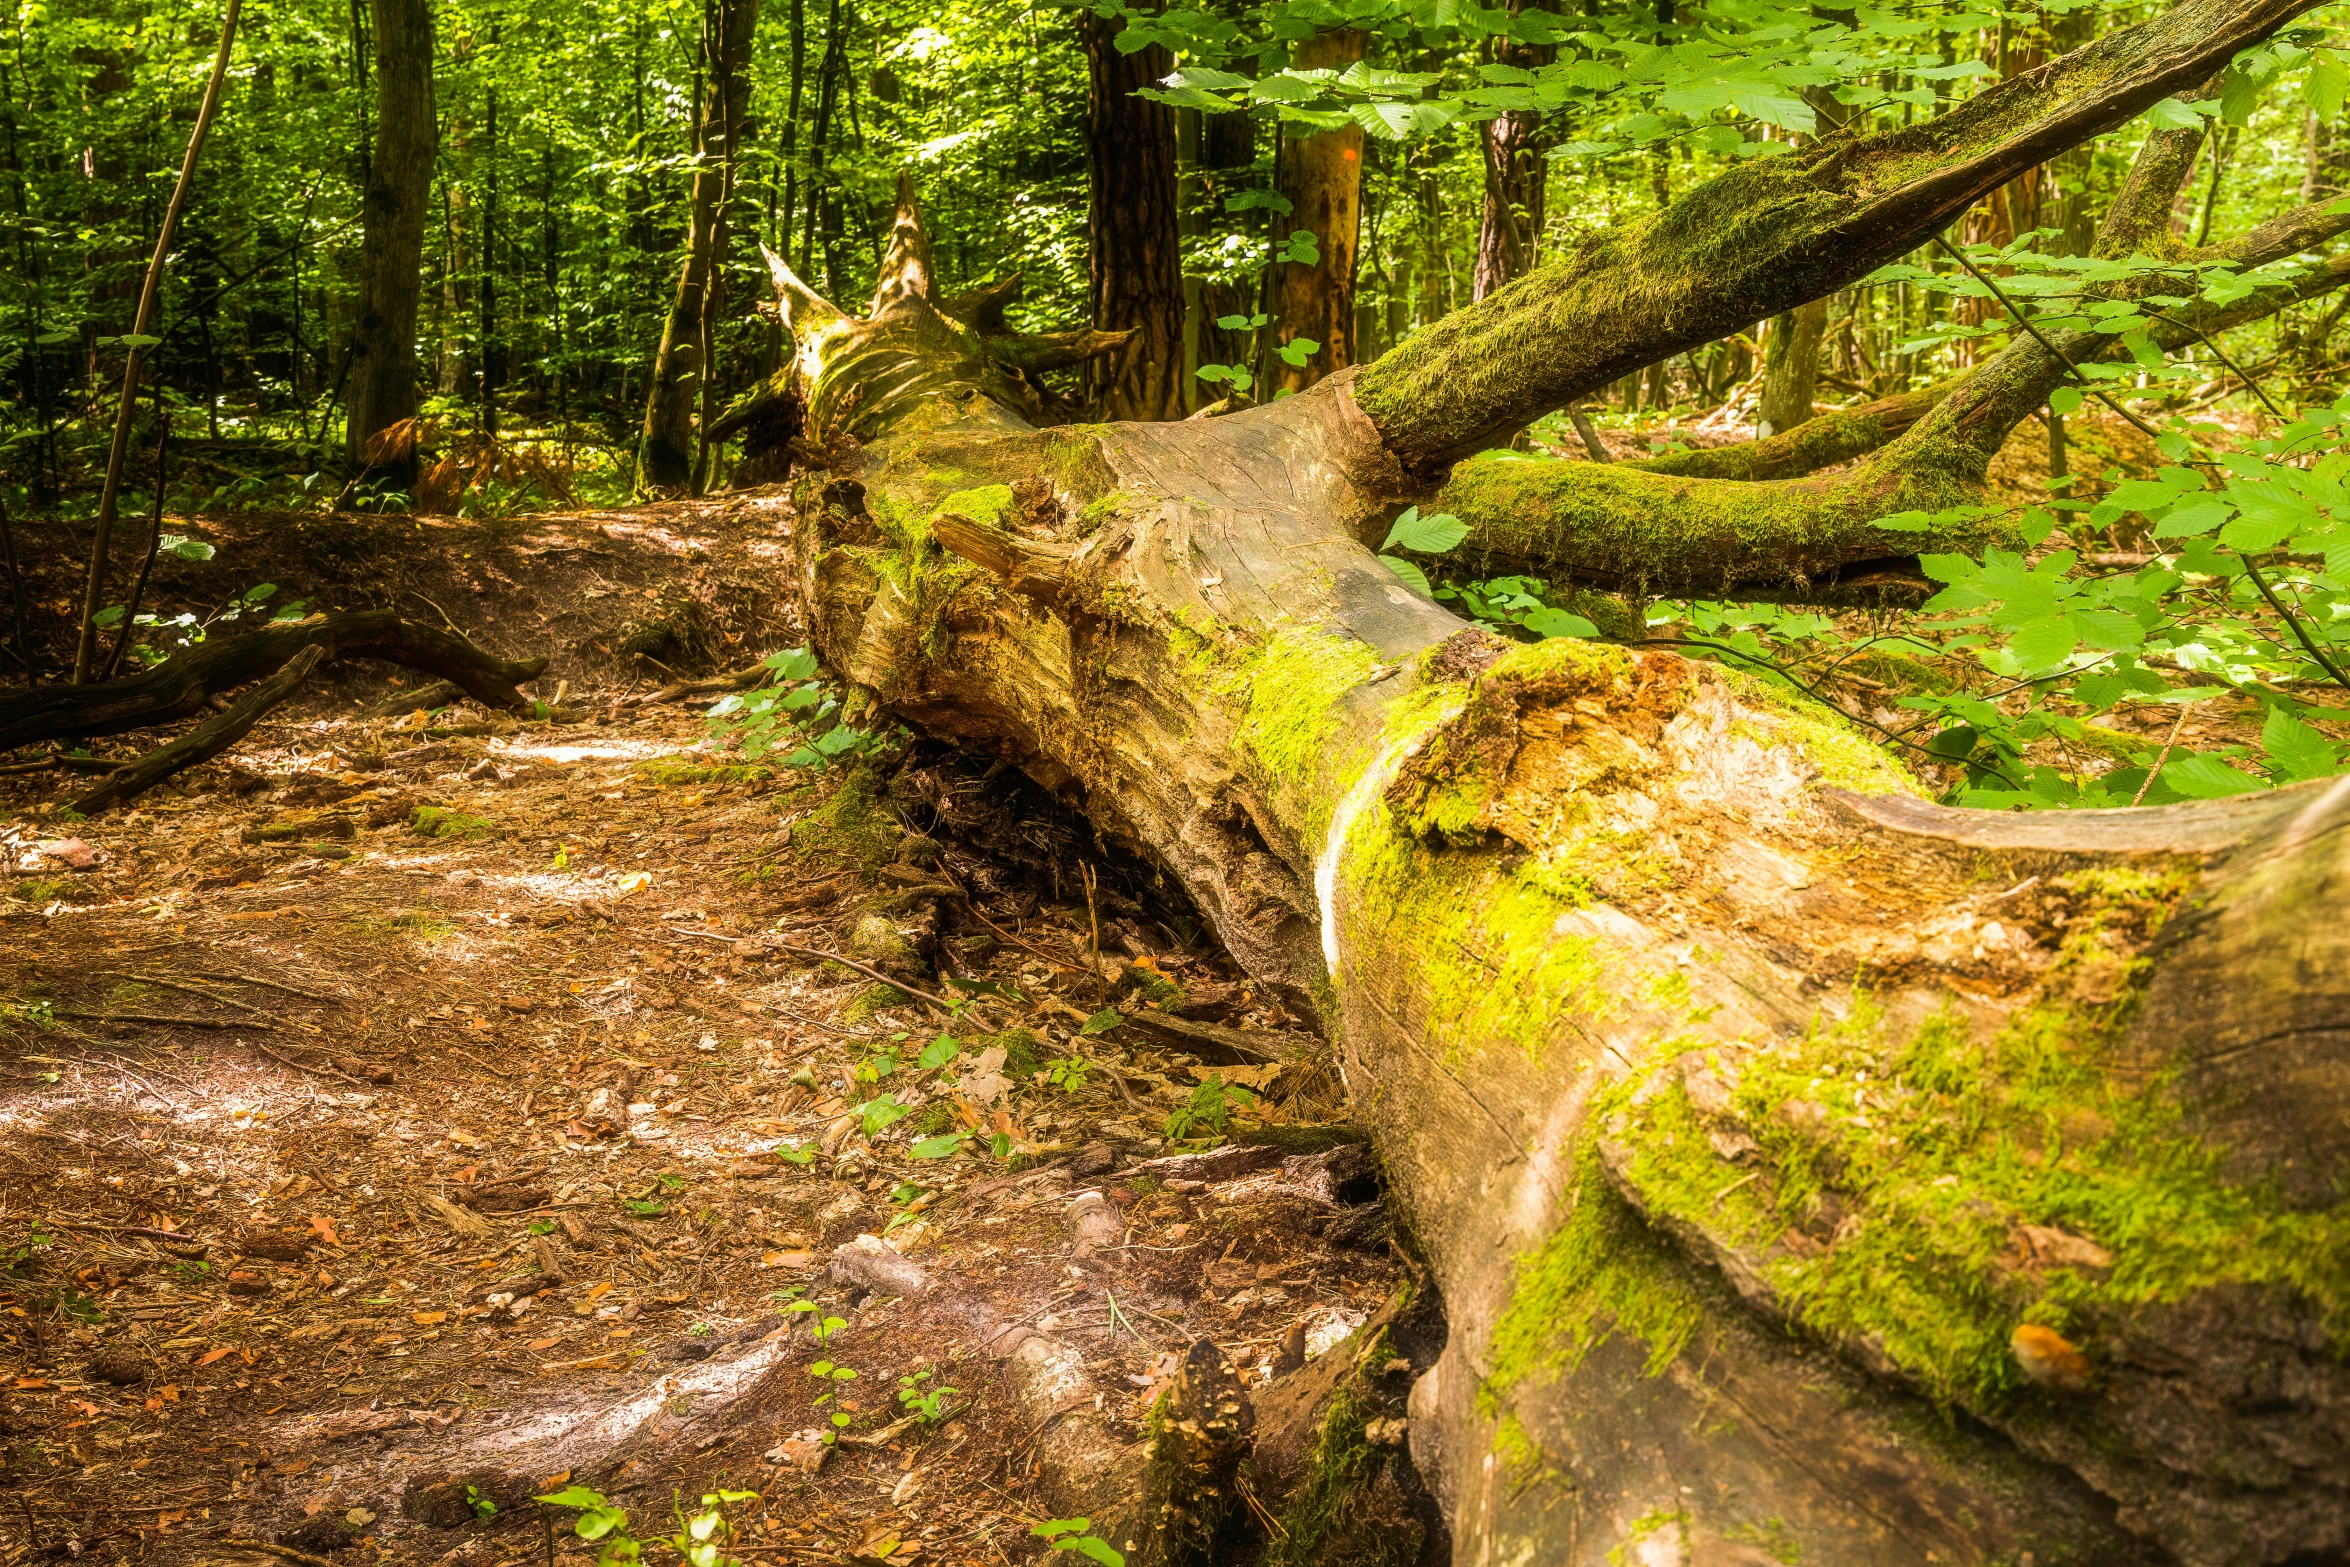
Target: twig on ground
188, 990
945, 1007
156, 1020
285, 1551
2161, 756
141, 1231
266, 984
316, 1071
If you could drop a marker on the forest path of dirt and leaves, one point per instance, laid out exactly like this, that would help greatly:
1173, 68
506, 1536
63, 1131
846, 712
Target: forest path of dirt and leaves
406, 1117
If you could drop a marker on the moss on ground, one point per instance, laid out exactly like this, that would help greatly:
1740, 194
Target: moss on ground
853, 828
441, 821
671, 772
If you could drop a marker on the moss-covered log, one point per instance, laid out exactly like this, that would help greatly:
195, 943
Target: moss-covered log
1805, 1168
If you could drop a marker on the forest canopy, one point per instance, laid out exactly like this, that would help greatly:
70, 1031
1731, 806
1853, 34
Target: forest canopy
1264, 195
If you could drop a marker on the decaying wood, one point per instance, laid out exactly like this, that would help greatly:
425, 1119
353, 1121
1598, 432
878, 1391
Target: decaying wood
204, 742
183, 683
1796, 1160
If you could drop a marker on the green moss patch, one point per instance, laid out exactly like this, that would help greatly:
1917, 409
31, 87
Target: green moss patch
1898, 1169
671, 772
1293, 687
441, 821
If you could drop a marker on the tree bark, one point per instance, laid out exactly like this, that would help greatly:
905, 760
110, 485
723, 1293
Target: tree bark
1509, 231
1322, 178
380, 440
665, 453
1802, 1165
1791, 367
1134, 252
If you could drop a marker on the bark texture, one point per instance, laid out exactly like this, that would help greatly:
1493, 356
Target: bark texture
1134, 256
1509, 230
1791, 368
1808, 1171
380, 440
665, 455
1322, 176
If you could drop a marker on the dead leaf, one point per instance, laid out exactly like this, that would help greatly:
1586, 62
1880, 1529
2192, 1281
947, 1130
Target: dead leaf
211, 1355
985, 1082
543, 1343
325, 1228
426, 1319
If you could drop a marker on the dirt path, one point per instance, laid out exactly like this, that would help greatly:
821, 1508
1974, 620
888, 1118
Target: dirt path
506, 1138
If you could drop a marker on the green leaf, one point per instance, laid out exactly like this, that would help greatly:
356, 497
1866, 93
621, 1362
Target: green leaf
1431, 535
1905, 522
180, 547
939, 1147
643, 1209
2207, 778
939, 1052
1092, 1550
2042, 644
1410, 574
2298, 750
572, 1496
2065, 399
1103, 1021
1054, 1528
1298, 352
1548, 622
2173, 115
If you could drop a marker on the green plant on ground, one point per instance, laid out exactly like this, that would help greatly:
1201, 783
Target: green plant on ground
1076, 1534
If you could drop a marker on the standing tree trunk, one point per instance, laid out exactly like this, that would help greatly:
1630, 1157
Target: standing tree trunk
1134, 253
665, 454
1322, 177
1791, 367
1509, 233
1801, 1164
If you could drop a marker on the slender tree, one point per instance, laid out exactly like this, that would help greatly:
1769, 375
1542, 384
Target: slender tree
380, 441
1509, 231
666, 451
94, 586
1322, 177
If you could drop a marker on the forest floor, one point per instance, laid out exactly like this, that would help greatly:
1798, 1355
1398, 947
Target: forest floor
404, 1117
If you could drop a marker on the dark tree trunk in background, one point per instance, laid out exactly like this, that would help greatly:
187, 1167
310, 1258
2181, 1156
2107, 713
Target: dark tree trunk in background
1516, 173
1791, 367
391, 263
666, 455
1135, 246
1322, 175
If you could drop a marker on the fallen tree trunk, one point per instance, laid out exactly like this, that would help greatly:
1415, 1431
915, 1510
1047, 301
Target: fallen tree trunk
1802, 1165
204, 742
186, 681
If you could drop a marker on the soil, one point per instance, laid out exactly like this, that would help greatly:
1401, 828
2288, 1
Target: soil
409, 1115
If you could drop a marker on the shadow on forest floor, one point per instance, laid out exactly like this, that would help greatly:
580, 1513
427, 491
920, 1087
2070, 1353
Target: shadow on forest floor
391, 1112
